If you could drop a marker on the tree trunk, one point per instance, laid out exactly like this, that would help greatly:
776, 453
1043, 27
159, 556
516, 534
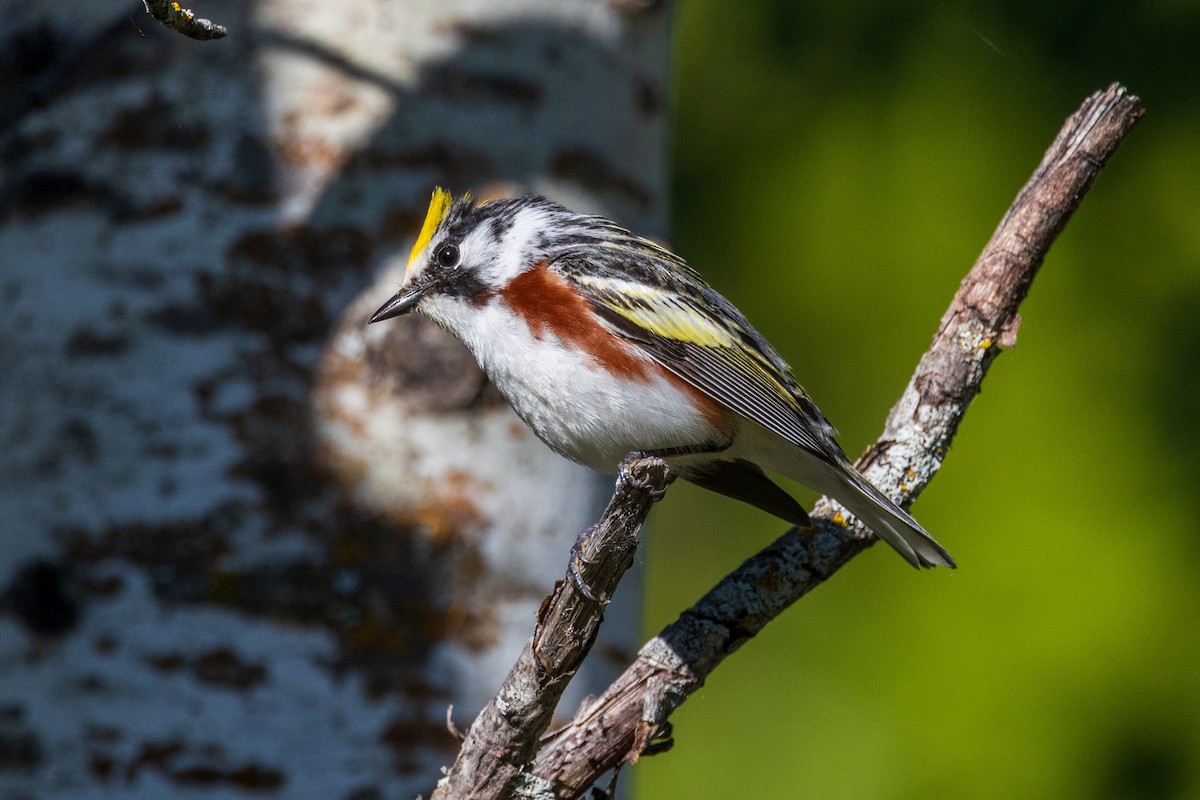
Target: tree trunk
247, 543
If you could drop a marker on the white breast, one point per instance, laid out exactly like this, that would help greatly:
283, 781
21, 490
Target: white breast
574, 406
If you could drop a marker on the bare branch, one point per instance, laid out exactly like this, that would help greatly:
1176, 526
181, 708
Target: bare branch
181, 19
981, 321
504, 737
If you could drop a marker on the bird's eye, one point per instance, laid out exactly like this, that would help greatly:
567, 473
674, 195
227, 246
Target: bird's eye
447, 256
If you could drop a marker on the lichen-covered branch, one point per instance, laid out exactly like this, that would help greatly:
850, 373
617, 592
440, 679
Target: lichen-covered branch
181, 19
981, 321
504, 737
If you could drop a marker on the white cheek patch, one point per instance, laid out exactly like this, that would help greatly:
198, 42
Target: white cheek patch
517, 247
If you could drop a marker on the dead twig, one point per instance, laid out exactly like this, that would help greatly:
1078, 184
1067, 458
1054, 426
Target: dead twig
181, 19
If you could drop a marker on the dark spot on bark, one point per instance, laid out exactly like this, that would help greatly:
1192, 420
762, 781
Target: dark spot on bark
648, 97
454, 165
166, 662
424, 691
92, 684
400, 597
101, 768
51, 191
271, 308
38, 597
273, 457
177, 556
47, 191
259, 249
20, 751
400, 222
637, 6
938, 387
28, 61
321, 256
251, 178
458, 85
224, 667
406, 736
164, 757
79, 438
152, 755
149, 209
248, 778
474, 34
101, 734
154, 126
133, 276
28, 54
590, 170
193, 319
91, 343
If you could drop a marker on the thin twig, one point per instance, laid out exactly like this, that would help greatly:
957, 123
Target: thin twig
181, 19
451, 728
632, 714
505, 736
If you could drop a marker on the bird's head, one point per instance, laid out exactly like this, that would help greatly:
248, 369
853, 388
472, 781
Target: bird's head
466, 254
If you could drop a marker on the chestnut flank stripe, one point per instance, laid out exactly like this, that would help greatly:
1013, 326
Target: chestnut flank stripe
548, 304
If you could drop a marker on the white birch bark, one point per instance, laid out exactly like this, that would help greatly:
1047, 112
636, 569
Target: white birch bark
246, 543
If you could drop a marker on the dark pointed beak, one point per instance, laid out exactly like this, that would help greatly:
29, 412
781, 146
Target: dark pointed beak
401, 303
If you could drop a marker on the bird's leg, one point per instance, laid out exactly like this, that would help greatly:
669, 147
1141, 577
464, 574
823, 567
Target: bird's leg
644, 472
702, 449
705, 448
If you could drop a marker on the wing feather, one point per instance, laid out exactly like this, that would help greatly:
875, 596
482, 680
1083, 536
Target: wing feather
685, 326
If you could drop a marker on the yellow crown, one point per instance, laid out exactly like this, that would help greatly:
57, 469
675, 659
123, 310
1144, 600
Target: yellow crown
438, 206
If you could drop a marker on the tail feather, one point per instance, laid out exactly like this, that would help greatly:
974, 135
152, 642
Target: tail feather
892, 524
745, 481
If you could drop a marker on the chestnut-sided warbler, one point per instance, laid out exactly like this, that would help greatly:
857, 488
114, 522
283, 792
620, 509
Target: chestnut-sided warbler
607, 344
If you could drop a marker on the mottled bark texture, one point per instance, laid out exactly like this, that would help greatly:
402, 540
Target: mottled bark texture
247, 543
505, 736
631, 717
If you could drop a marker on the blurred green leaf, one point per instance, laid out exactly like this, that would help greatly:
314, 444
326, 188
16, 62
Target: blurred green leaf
837, 170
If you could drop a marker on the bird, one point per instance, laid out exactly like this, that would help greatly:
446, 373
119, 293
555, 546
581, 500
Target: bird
607, 344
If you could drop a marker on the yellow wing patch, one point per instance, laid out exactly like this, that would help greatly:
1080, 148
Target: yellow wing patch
438, 206
660, 313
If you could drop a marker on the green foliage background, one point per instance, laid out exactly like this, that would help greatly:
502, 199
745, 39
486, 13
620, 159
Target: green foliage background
836, 171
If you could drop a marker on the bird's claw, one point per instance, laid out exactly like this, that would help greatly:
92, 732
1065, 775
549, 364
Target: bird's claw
644, 479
